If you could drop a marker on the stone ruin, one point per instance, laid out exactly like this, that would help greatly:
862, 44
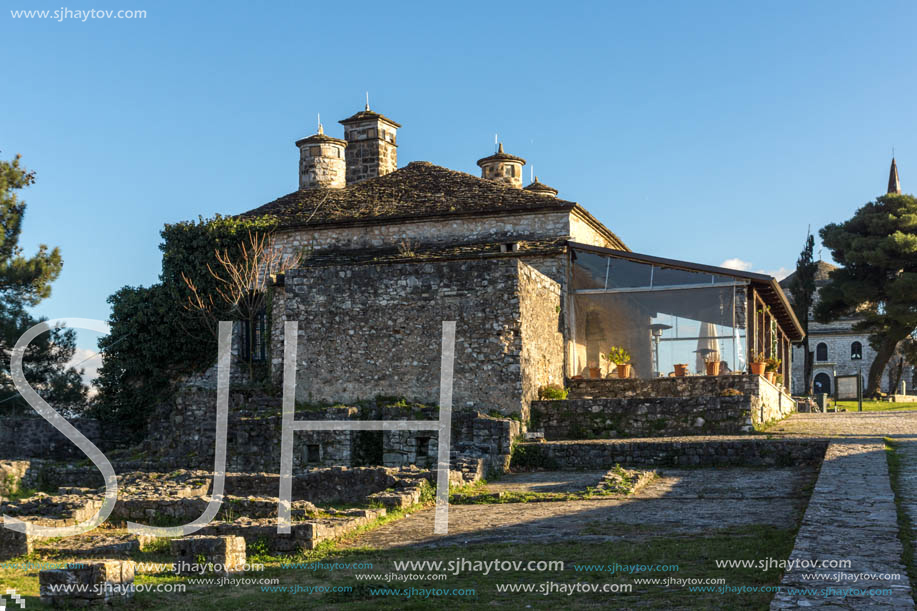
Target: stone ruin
342, 480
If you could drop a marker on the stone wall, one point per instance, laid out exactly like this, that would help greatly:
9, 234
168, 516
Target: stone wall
646, 417
687, 386
542, 356
678, 452
23, 437
584, 232
186, 438
532, 226
693, 405
367, 330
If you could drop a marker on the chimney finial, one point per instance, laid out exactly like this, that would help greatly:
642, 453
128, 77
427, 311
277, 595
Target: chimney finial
500, 150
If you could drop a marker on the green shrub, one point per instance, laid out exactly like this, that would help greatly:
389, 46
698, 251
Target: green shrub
552, 392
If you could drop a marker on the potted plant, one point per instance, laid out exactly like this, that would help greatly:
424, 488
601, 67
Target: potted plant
779, 379
620, 357
681, 369
712, 362
758, 364
594, 370
772, 366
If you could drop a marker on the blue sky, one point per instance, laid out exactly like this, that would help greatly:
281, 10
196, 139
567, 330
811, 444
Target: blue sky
705, 131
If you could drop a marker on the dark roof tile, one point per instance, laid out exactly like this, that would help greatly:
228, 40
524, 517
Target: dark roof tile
417, 190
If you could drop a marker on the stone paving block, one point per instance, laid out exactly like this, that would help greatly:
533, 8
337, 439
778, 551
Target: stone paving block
98, 582
220, 554
14, 543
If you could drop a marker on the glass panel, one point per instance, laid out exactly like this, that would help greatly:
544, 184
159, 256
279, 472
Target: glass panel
589, 270
628, 274
666, 276
659, 329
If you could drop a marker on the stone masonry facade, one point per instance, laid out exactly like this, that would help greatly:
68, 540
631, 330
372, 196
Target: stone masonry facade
493, 228
388, 319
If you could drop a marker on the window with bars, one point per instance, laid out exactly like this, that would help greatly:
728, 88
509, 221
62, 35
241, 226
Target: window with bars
254, 343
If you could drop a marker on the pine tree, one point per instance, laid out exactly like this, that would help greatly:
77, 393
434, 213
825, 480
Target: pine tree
25, 282
803, 291
878, 281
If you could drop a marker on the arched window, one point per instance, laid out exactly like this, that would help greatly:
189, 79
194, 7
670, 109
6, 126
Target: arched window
822, 383
856, 351
821, 352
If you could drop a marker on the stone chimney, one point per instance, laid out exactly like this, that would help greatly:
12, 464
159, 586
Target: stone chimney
372, 148
322, 164
540, 188
503, 167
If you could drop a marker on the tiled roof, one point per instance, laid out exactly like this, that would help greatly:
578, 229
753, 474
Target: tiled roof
363, 115
500, 156
319, 138
540, 187
417, 190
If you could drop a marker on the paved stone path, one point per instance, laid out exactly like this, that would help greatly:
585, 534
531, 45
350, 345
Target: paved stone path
849, 424
679, 502
546, 481
852, 514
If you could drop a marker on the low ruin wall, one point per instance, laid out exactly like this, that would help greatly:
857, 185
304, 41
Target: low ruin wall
23, 437
680, 452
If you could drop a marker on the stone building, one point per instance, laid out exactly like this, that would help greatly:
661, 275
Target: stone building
839, 349
389, 253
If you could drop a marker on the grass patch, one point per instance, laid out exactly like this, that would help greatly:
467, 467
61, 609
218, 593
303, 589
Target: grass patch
905, 528
875, 406
695, 556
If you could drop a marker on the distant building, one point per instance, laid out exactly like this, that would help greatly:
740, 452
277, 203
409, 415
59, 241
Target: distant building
838, 349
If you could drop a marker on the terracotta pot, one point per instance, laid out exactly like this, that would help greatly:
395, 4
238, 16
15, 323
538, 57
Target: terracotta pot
769, 376
624, 371
680, 370
595, 372
757, 369
713, 369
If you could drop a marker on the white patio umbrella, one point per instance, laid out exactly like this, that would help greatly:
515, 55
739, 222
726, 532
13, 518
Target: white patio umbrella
706, 344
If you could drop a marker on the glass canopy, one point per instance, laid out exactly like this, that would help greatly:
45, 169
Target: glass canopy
662, 316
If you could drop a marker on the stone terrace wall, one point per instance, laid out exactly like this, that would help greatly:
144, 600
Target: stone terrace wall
650, 417
688, 386
683, 452
367, 330
691, 405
